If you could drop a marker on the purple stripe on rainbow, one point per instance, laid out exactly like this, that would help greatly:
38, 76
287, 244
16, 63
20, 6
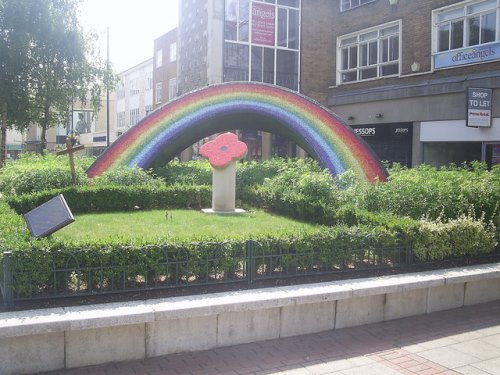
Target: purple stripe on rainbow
334, 144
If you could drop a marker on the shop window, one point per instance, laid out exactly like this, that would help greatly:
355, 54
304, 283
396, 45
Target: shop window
444, 153
369, 54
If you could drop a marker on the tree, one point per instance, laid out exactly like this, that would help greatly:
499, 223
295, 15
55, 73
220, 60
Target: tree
15, 29
56, 63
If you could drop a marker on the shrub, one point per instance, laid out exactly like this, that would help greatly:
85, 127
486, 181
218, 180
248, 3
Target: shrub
125, 176
463, 236
33, 172
448, 192
118, 198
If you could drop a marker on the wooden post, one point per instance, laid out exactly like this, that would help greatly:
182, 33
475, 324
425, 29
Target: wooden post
70, 150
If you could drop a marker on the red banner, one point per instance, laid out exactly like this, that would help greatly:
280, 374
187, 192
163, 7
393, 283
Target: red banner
263, 24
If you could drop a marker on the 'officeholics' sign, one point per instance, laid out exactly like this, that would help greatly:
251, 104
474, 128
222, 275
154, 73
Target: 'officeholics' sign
479, 107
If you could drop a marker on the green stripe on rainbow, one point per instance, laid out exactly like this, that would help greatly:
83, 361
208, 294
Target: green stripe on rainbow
183, 121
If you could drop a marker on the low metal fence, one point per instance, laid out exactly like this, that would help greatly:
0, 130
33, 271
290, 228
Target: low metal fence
73, 274
166, 267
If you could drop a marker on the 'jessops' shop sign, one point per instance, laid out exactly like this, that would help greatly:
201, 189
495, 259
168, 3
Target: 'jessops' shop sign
479, 107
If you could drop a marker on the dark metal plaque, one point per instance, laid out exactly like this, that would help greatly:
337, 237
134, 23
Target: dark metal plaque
49, 217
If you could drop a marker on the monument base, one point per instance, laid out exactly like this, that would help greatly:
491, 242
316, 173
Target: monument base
232, 212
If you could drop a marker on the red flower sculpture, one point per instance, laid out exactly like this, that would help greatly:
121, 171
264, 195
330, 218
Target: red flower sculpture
223, 150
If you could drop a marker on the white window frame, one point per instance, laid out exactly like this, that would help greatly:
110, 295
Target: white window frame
358, 67
351, 4
149, 81
159, 58
172, 88
158, 92
134, 116
173, 52
463, 17
121, 119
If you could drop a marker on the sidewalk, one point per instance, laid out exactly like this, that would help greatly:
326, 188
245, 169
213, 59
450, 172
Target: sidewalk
460, 341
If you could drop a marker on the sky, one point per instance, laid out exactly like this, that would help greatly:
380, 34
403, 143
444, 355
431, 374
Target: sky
133, 27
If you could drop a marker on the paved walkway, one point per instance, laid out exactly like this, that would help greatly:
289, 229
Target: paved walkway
461, 341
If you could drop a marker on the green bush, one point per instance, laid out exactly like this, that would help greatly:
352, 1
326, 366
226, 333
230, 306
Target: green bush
125, 176
447, 192
463, 236
118, 198
33, 172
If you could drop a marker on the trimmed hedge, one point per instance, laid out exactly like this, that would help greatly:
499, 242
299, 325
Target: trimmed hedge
118, 198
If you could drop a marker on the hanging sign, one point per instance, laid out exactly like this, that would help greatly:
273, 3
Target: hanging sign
479, 107
263, 24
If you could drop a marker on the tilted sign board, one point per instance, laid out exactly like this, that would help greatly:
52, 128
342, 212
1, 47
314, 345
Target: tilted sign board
49, 217
479, 107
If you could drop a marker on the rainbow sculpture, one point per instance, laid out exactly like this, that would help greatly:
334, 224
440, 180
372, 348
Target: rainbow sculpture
182, 122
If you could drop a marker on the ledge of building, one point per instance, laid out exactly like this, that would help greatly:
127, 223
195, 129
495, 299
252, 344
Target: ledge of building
35, 341
424, 87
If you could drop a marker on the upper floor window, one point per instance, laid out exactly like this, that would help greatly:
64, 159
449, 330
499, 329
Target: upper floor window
134, 116
158, 92
134, 86
173, 52
466, 34
467, 25
149, 81
121, 119
349, 4
172, 88
120, 90
159, 58
369, 54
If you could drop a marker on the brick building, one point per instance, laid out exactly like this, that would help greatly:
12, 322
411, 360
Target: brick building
165, 68
399, 72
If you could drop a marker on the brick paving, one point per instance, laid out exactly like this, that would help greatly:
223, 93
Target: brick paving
460, 341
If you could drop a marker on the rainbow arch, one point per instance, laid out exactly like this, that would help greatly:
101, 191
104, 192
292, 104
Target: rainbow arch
242, 105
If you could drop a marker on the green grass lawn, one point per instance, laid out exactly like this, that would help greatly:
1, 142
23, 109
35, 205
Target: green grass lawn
176, 224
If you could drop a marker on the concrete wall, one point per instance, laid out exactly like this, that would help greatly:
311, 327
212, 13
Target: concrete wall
52, 339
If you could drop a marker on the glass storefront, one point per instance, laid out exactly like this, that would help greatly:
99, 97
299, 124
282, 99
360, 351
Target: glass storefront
391, 142
443, 153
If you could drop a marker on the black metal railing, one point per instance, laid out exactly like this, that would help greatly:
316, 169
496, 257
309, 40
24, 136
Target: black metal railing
163, 267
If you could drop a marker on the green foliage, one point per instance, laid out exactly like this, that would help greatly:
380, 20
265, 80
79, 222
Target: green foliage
125, 176
196, 172
51, 62
118, 198
448, 192
463, 236
32, 173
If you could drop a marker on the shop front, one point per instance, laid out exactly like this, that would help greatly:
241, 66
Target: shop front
445, 142
391, 142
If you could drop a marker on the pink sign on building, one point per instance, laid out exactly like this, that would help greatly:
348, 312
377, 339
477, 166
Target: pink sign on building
263, 24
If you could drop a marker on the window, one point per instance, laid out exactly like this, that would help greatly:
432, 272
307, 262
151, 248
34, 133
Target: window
468, 25
172, 88
134, 116
148, 109
121, 119
149, 81
349, 4
466, 34
120, 90
369, 54
158, 92
134, 86
173, 52
262, 41
159, 58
